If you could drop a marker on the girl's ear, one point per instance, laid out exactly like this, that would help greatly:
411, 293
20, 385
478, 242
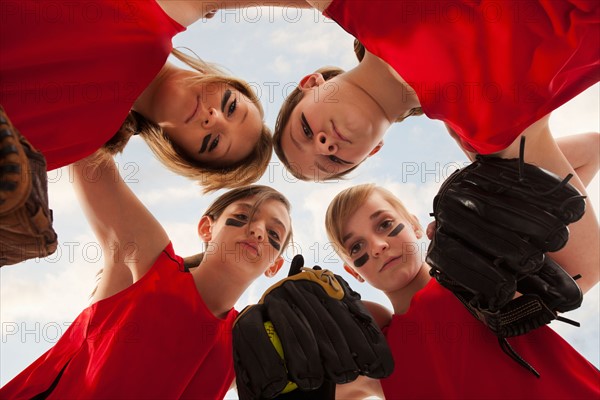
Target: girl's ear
416, 226
205, 228
352, 272
310, 81
274, 268
418, 233
376, 148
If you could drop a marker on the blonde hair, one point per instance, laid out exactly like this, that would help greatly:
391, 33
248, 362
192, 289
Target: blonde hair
348, 201
261, 193
242, 173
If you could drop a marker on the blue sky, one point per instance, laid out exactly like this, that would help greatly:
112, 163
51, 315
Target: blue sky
272, 48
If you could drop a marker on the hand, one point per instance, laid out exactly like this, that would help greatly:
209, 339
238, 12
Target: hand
430, 231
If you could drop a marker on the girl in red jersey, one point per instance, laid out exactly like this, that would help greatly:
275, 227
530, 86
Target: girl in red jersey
440, 350
155, 329
491, 71
79, 77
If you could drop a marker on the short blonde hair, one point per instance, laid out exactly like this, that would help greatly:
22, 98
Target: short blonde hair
348, 201
242, 173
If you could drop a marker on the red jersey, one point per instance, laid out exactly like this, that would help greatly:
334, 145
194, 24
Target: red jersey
70, 71
155, 339
487, 68
442, 351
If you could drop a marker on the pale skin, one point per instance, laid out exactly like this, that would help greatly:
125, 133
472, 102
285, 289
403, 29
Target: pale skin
373, 85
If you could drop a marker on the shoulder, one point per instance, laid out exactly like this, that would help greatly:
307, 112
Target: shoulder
381, 314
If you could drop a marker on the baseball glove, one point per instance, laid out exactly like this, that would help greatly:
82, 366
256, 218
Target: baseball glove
25, 218
495, 221
327, 335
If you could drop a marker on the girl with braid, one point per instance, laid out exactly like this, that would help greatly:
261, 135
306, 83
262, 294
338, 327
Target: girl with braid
157, 329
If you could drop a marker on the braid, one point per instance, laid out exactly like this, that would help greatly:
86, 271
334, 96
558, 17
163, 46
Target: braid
132, 125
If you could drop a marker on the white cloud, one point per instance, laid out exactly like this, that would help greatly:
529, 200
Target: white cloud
169, 195
281, 66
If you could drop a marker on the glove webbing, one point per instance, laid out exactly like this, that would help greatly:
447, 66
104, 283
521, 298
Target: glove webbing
509, 321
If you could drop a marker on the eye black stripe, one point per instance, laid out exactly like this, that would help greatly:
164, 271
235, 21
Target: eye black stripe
205, 143
234, 222
396, 230
273, 243
360, 261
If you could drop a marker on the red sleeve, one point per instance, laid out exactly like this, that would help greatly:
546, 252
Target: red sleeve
72, 70
488, 69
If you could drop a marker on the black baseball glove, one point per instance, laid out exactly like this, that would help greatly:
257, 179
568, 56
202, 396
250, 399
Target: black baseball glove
495, 221
327, 335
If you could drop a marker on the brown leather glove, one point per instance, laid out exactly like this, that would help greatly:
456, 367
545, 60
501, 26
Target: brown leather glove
25, 218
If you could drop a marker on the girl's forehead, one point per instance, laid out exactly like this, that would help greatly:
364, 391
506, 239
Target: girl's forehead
272, 207
373, 207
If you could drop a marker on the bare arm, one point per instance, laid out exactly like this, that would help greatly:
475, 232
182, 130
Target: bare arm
581, 254
130, 237
583, 153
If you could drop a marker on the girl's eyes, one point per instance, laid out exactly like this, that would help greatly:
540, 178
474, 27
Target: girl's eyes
244, 218
335, 160
307, 132
386, 224
241, 217
232, 108
214, 144
274, 234
305, 127
355, 248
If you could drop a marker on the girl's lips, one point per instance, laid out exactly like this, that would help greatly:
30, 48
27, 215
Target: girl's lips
342, 137
250, 247
389, 262
191, 117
